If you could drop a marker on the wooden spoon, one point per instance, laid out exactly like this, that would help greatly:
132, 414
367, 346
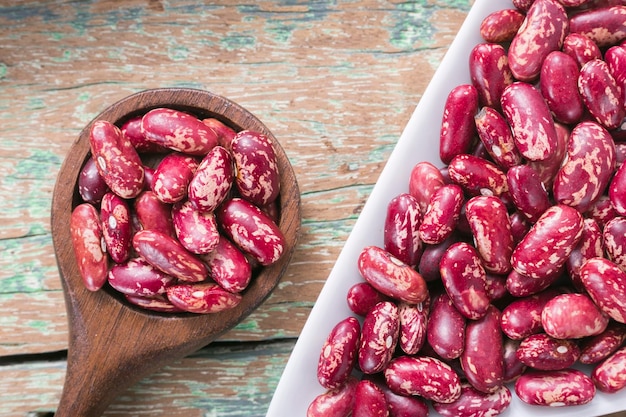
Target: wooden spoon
113, 344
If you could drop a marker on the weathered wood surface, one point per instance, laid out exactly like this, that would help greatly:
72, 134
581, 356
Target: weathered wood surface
334, 81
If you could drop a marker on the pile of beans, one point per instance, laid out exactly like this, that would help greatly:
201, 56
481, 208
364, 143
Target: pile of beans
177, 212
505, 268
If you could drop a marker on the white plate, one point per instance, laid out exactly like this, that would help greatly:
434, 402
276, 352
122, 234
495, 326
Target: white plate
298, 385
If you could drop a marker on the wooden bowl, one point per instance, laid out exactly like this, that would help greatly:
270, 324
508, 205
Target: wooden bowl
112, 344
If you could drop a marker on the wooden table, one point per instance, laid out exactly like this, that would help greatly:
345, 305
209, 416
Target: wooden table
335, 81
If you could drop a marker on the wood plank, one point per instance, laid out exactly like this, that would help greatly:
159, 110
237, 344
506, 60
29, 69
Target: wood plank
222, 379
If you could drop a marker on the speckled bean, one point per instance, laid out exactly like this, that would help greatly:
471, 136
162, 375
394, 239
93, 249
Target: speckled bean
413, 322
602, 96
251, 230
117, 160
153, 214
168, 255
369, 400
338, 354
531, 121
489, 72
581, 48
495, 134
257, 177
473, 403
172, 176
545, 248
610, 375
457, 125
555, 388
178, 130
390, 276
443, 213
614, 239
543, 31
605, 26
212, 180
202, 298
424, 180
546, 353
477, 176
446, 328
605, 283
196, 230
379, 337
116, 226
425, 376
559, 85
522, 317
600, 347
400, 233
482, 359
89, 247
463, 277
228, 266
572, 316
138, 277
489, 221
528, 192
336, 403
